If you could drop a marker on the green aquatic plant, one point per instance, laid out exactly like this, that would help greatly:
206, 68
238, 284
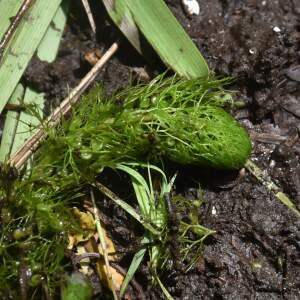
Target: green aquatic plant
169, 118
35, 220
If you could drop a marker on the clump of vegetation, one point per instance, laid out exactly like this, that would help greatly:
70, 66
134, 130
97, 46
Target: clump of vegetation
170, 118
34, 218
181, 120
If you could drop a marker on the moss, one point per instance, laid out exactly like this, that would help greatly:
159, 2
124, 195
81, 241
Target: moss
182, 120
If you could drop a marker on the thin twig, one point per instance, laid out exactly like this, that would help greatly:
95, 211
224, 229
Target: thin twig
271, 186
267, 138
13, 25
23, 154
89, 14
103, 246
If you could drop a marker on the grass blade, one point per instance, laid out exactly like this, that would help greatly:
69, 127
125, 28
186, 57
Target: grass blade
28, 123
271, 186
140, 187
162, 30
164, 290
128, 208
11, 123
135, 263
49, 45
26, 39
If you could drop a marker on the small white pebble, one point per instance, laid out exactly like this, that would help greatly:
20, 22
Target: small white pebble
251, 51
213, 211
272, 163
191, 7
263, 3
276, 29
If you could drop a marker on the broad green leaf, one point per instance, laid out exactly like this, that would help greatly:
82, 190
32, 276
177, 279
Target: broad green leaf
18, 126
162, 30
24, 43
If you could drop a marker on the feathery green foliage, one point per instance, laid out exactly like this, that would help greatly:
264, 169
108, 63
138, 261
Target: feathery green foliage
34, 222
181, 120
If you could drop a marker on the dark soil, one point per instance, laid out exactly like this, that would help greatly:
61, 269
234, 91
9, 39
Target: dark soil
255, 252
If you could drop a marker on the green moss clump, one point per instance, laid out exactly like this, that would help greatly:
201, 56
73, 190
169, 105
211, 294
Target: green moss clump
34, 223
182, 120
209, 136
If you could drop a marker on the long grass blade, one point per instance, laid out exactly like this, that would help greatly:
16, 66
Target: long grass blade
141, 188
11, 123
24, 43
162, 30
128, 208
271, 186
49, 45
164, 290
27, 123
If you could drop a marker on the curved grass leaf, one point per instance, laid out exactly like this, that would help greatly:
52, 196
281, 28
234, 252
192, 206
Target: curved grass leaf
159, 26
49, 45
135, 263
11, 123
24, 43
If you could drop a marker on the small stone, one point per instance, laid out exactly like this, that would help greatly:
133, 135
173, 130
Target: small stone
213, 211
272, 163
251, 51
191, 7
276, 29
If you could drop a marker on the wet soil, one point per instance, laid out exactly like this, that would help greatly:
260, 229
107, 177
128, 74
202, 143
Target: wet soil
255, 252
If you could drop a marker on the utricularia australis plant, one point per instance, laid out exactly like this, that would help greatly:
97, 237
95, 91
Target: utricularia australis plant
172, 119
169, 118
